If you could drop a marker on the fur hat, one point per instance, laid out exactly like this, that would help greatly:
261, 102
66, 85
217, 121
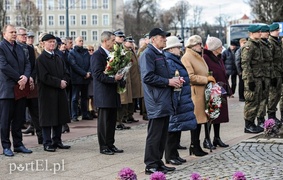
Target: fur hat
193, 40
172, 41
213, 43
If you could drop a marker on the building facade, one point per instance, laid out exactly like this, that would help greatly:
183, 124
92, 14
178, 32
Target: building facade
87, 18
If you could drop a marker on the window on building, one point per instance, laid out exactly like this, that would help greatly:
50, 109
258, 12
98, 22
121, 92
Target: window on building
51, 20
51, 32
83, 19
62, 34
18, 20
7, 20
61, 20
7, 4
105, 19
94, 4
83, 4
50, 4
94, 20
84, 35
39, 4
94, 35
39, 19
73, 20
73, 34
29, 20
72, 4
105, 4
61, 4
17, 4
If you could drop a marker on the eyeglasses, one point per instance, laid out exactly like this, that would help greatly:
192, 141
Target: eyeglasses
22, 34
91, 50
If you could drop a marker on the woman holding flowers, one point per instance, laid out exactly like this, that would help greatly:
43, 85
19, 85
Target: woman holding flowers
184, 118
212, 56
198, 73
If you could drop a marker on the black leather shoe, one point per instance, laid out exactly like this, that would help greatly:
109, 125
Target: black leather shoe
173, 162
61, 146
8, 152
116, 150
49, 148
87, 118
207, 144
22, 149
181, 159
149, 171
250, 127
218, 142
107, 152
132, 120
166, 168
181, 147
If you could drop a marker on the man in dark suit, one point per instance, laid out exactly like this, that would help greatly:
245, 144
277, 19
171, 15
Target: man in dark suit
14, 70
106, 98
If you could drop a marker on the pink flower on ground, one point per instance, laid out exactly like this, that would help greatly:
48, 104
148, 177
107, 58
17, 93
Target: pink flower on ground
239, 176
195, 176
158, 176
127, 174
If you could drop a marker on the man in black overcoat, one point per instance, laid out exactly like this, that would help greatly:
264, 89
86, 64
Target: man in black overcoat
105, 98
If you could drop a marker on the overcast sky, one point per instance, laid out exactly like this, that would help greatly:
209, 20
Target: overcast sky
212, 8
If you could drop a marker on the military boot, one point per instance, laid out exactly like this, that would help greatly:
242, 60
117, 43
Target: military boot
277, 121
260, 122
250, 127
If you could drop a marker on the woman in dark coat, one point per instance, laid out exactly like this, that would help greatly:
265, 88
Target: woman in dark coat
53, 78
184, 118
212, 56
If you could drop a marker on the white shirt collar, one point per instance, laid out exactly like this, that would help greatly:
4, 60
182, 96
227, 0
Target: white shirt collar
107, 52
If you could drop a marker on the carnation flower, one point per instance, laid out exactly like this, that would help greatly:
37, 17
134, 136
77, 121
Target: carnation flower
271, 128
239, 176
158, 176
127, 174
195, 176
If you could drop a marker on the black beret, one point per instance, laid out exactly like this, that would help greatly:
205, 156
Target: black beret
47, 37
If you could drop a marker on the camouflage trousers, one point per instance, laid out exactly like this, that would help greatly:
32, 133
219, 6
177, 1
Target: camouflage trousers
274, 96
252, 99
264, 99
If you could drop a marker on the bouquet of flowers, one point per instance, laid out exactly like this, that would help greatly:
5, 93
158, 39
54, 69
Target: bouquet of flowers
213, 100
127, 174
270, 128
119, 61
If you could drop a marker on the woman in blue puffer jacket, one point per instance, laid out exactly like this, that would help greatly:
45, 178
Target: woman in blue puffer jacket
184, 118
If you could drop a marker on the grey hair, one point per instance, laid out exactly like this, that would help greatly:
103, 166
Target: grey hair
106, 35
21, 28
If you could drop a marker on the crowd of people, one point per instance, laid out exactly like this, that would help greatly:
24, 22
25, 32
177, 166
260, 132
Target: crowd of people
59, 80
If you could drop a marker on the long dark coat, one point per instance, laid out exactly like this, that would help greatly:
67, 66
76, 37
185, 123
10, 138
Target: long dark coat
216, 65
105, 87
53, 103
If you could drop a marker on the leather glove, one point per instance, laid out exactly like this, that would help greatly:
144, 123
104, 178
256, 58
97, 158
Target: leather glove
252, 86
263, 85
273, 82
211, 79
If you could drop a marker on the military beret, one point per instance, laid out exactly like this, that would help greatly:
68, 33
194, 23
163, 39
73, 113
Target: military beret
273, 27
264, 28
254, 28
48, 37
129, 39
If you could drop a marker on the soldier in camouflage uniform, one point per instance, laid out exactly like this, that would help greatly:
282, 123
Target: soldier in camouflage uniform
277, 53
267, 73
252, 65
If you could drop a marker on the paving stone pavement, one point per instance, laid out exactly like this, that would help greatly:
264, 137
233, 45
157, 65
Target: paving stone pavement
259, 158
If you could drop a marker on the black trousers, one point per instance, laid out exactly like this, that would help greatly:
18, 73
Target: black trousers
241, 88
56, 136
171, 149
106, 123
12, 116
155, 142
32, 105
233, 82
